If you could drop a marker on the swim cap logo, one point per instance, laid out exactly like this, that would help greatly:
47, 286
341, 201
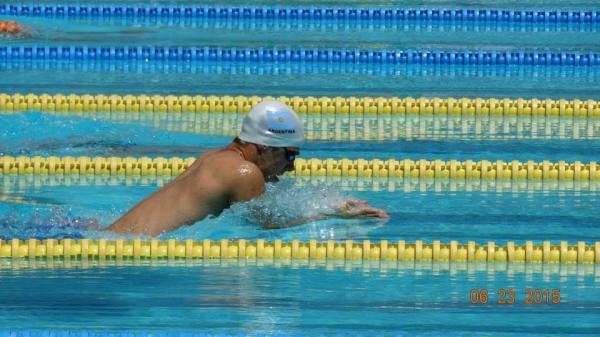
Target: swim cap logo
281, 122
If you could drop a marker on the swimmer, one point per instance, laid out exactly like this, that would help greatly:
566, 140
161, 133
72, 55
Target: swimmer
267, 146
15, 29
12, 28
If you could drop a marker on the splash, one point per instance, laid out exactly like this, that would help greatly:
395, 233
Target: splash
282, 203
41, 223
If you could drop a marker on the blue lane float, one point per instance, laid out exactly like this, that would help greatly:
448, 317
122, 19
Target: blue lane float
535, 16
519, 57
311, 18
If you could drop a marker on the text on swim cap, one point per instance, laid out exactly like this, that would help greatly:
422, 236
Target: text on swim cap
280, 122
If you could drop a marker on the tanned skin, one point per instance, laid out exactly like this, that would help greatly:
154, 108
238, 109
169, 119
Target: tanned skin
12, 28
213, 182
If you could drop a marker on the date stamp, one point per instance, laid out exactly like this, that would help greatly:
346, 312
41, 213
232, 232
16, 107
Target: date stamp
508, 296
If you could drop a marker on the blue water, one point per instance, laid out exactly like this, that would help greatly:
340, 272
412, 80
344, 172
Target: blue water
500, 213
319, 127
223, 81
296, 79
362, 300
430, 138
84, 298
269, 33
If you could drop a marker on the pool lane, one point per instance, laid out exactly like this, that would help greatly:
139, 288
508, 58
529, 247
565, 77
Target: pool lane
221, 299
58, 208
428, 138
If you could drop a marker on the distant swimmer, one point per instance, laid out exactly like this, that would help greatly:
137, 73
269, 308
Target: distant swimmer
12, 28
269, 142
15, 29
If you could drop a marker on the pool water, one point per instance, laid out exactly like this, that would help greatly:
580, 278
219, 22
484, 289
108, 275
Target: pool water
308, 79
462, 138
311, 34
279, 297
500, 214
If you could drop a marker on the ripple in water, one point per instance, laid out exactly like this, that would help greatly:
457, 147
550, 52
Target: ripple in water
282, 202
54, 223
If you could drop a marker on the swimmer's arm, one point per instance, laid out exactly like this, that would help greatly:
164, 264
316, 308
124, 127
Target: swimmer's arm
297, 222
349, 209
263, 217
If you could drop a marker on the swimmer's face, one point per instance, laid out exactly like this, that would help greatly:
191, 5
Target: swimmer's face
275, 161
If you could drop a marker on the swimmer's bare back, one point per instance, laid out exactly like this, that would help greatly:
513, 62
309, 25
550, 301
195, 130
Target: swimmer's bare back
211, 184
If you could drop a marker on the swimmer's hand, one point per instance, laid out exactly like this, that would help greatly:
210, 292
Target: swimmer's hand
352, 208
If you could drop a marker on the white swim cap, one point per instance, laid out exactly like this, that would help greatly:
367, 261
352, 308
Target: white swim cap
272, 123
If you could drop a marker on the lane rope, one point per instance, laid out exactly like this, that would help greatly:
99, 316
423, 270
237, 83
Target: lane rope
581, 253
391, 168
474, 16
520, 57
308, 105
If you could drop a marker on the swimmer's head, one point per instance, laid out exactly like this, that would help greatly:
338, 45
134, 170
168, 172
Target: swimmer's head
272, 123
277, 132
271, 160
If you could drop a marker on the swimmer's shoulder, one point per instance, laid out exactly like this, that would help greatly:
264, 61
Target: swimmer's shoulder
227, 172
246, 181
242, 179
230, 164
